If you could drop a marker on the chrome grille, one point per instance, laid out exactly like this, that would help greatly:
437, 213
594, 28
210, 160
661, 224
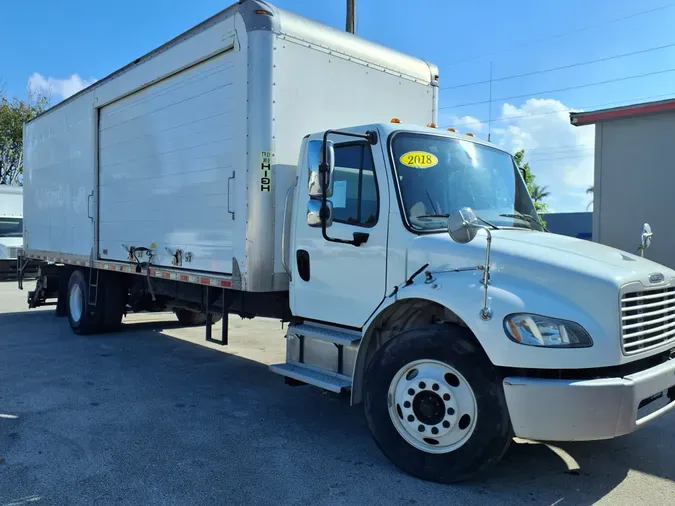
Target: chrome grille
647, 319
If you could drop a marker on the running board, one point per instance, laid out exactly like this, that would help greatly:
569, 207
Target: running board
331, 335
326, 380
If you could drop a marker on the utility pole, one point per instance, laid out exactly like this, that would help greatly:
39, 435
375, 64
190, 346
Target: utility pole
351, 16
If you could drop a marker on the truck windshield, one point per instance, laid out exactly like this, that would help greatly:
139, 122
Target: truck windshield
438, 175
11, 227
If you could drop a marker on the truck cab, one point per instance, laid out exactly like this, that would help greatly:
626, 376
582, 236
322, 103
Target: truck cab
422, 278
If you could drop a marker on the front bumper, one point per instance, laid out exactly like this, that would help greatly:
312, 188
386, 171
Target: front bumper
586, 410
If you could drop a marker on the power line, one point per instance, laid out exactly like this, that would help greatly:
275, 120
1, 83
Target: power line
555, 151
577, 157
568, 88
558, 111
562, 67
563, 34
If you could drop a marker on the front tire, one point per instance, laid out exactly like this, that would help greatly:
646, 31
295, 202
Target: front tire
435, 404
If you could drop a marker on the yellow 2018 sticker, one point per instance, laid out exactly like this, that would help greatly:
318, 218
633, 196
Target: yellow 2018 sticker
418, 159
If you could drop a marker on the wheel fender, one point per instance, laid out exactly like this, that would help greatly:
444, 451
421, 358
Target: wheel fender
465, 301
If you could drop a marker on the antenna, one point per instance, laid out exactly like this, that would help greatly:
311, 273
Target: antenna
490, 105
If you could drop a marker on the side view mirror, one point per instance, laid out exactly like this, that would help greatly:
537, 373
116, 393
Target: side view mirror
314, 160
645, 238
314, 213
463, 225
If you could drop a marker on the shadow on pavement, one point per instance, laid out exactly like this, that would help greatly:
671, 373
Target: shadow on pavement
139, 417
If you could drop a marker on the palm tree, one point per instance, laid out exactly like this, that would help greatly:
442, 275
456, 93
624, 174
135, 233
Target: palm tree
539, 193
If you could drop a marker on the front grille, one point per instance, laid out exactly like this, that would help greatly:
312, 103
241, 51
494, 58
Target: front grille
647, 319
13, 252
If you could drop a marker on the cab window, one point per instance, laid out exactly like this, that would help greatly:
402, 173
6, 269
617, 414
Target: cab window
355, 199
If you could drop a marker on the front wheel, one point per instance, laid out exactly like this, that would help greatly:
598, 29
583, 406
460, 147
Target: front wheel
435, 404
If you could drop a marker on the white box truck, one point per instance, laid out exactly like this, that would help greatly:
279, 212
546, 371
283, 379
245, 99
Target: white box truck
252, 167
11, 228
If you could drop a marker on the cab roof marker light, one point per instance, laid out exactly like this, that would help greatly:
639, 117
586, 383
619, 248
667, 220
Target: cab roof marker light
469, 134
431, 125
395, 120
451, 130
264, 12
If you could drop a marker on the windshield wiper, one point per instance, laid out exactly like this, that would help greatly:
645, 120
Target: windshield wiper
525, 217
485, 222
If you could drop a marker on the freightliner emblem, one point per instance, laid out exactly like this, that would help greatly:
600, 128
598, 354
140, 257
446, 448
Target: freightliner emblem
656, 278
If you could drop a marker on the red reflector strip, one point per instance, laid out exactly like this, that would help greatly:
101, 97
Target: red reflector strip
183, 277
204, 281
166, 275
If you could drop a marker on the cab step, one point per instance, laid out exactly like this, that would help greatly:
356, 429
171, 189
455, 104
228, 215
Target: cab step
322, 379
339, 337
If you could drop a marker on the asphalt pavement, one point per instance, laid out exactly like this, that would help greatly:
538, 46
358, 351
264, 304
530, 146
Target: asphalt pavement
153, 415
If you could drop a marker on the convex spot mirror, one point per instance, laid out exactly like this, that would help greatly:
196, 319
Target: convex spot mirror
463, 225
314, 159
646, 239
314, 213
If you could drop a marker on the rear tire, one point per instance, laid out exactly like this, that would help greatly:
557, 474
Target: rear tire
113, 302
83, 319
435, 404
193, 318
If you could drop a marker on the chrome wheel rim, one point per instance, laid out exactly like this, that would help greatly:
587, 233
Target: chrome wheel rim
76, 300
432, 406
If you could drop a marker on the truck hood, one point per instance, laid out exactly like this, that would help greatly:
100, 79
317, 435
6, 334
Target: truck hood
535, 255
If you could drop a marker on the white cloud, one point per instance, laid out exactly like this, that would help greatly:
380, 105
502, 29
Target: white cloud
464, 123
58, 89
560, 155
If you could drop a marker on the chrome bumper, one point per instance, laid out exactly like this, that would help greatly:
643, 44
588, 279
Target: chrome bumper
585, 410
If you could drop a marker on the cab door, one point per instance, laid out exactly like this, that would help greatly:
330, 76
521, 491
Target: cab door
335, 282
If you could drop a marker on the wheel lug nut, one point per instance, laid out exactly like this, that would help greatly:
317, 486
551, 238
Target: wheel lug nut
451, 411
411, 418
435, 386
446, 424
406, 404
411, 392
420, 428
423, 385
446, 397
434, 430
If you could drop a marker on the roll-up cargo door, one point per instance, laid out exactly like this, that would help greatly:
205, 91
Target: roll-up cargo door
166, 162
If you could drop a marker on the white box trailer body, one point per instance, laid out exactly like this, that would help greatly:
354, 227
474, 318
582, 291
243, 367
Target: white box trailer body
11, 226
194, 146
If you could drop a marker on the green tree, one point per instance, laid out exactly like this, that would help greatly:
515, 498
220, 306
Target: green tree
538, 193
13, 114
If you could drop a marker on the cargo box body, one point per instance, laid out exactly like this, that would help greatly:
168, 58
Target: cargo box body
194, 146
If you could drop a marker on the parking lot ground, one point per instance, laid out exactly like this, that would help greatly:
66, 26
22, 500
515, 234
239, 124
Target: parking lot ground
153, 415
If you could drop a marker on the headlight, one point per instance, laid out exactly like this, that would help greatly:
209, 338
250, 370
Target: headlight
535, 330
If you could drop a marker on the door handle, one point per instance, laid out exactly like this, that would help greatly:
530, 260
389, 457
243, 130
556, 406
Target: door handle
89, 197
229, 195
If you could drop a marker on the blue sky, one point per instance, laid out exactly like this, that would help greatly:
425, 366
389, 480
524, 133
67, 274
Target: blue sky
64, 49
